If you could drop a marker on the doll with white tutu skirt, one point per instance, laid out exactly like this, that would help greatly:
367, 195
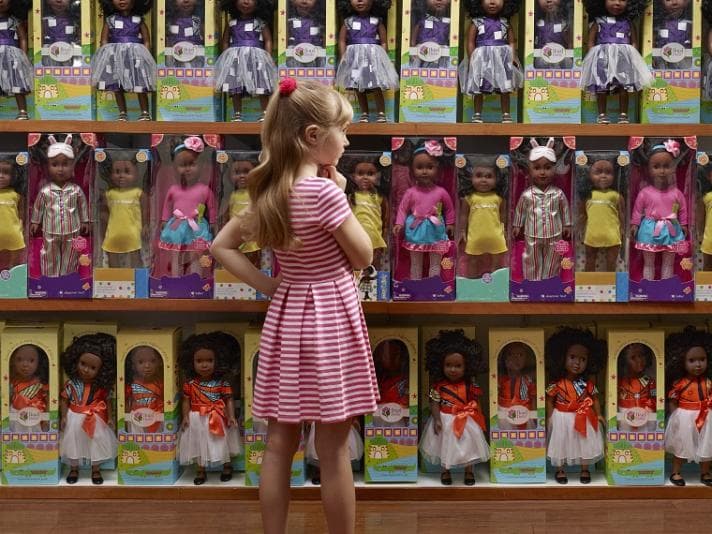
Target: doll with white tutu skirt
636, 389
144, 389
86, 422
355, 448
15, 67
29, 386
573, 409
454, 434
688, 434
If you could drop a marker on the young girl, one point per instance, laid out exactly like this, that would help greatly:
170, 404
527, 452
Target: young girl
305, 26
12, 238
602, 214
320, 355
636, 390
659, 219
245, 65
363, 48
209, 427
540, 260
240, 201
29, 387
492, 66
672, 24
430, 23
187, 230
60, 24
516, 386
425, 212
453, 435
86, 421
483, 212
355, 449
553, 26
573, 409
124, 62
703, 213
369, 206
15, 67
183, 25
613, 63
688, 434
61, 212
144, 389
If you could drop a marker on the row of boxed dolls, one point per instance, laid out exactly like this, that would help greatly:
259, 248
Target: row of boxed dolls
554, 393
205, 49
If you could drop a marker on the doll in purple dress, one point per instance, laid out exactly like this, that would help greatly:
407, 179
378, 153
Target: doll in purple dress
60, 27
613, 63
672, 25
305, 33
185, 44
430, 23
491, 65
707, 81
552, 27
124, 62
15, 67
365, 66
245, 66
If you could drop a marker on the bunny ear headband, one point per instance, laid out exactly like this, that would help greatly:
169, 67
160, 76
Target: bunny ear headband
56, 148
546, 151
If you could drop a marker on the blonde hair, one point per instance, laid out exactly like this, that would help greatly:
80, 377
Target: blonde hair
283, 151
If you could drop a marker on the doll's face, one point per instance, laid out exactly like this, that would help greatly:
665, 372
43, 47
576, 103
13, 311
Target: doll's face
123, 6
696, 361
238, 173
204, 363
246, 7
25, 362
492, 7
675, 8
425, 169
635, 359
541, 172
602, 174
6, 174
123, 173
146, 363
549, 6
437, 7
58, 7
661, 168
304, 7
515, 358
88, 366
185, 7
60, 169
391, 358
576, 360
186, 164
366, 176
484, 179
616, 7
454, 366
4, 6
361, 7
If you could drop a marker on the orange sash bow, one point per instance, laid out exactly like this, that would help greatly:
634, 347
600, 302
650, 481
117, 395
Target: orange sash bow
637, 403
216, 415
471, 409
91, 410
703, 406
20, 402
584, 412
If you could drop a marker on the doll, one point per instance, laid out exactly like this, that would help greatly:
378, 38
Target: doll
61, 212
659, 219
613, 63
245, 66
124, 62
454, 434
516, 385
431, 24
60, 24
492, 66
573, 409
672, 24
602, 214
391, 363
688, 434
187, 230
483, 212
703, 213
86, 421
355, 448
15, 68
12, 239
635, 388
707, 47
363, 48
552, 26
144, 388
542, 216
305, 25
209, 428
29, 387
240, 200
183, 25
369, 206
425, 212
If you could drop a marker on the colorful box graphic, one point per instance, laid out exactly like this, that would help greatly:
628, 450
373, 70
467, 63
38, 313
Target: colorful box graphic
13, 256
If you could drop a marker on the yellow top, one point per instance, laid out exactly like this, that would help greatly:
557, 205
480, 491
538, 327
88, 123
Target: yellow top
239, 200
485, 231
367, 210
11, 237
603, 225
123, 230
707, 236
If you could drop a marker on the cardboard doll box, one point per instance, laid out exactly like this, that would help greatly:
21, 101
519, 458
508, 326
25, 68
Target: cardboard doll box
13, 270
551, 70
428, 85
149, 458
62, 70
674, 96
391, 432
529, 281
635, 450
30, 436
703, 277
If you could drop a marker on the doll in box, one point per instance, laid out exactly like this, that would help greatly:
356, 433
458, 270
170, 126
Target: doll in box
426, 213
659, 219
573, 410
305, 25
613, 63
369, 205
124, 62
516, 385
391, 364
60, 24
707, 47
688, 434
29, 386
144, 387
672, 24
15, 67
240, 200
635, 388
552, 26
184, 25
454, 434
245, 66
703, 213
430, 23
355, 448
60, 212
491, 65
209, 435
363, 48
86, 422
12, 239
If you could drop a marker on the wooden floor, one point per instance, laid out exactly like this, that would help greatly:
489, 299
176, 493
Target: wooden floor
520, 517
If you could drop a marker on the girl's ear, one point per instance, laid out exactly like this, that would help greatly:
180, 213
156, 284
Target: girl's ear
311, 134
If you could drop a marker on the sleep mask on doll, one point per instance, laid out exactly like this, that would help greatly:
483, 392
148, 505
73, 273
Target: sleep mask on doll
56, 148
537, 152
193, 143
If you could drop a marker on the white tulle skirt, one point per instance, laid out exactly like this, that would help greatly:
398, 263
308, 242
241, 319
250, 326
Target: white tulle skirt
75, 445
684, 441
355, 446
567, 446
365, 67
707, 81
245, 69
449, 451
614, 66
15, 71
490, 69
198, 445
126, 66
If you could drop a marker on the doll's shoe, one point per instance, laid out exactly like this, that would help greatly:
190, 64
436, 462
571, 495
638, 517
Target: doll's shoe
446, 479
477, 118
603, 119
381, 117
585, 477
561, 477
316, 480
363, 117
706, 479
469, 479
623, 119
507, 118
73, 476
677, 481
226, 474
22, 115
96, 478
236, 117
123, 116
199, 479
144, 116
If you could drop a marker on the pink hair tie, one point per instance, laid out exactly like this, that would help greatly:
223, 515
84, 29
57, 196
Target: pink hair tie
287, 86
673, 147
433, 148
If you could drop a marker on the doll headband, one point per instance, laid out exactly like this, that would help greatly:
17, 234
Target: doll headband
193, 143
56, 148
287, 86
671, 146
432, 148
538, 151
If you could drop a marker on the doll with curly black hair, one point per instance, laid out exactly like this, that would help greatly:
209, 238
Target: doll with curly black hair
491, 65
305, 25
124, 62
613, 63
12, 201
703, 213
86, 422
15, 66
573, 410
29, 386
707, 81
688, 434
636, 390
454, 434
516, 386
209, 427
552, 25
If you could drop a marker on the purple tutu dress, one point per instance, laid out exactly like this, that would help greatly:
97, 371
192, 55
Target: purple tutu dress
15, 67
434, 30
673, 32
305, 30
60, 29
185, 30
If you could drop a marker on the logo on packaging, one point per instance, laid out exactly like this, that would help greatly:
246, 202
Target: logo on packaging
553, 53
635, 417
429, 51
305, 52
517, 415
143, 417
391, 412
673, 52
61, 51
185, 51
29, 416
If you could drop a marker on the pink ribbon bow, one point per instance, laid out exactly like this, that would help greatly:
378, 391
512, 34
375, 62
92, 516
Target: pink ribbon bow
180, 216
433, 148
665, 221
418, 219
194, 143
673, 147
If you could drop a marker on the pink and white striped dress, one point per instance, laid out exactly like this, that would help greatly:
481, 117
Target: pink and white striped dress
315, 359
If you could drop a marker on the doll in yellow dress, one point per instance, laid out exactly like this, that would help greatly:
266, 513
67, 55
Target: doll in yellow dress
704, 214
12, 240
240, 200
370, 207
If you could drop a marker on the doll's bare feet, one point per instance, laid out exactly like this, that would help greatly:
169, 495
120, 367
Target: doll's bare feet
96, 477
561, 477
706, 478
199, 476
585, 477
226, 473
73, 475
446, 478
677, 480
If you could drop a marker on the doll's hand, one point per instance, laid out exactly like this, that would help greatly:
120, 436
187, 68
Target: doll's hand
330, 172
567, 233
397, 229
185, 424
438, 427
516, 231
34, 229
633, 231
231, 421
84, 229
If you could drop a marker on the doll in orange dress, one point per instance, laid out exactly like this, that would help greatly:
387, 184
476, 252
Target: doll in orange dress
516, 387
144, 391
29, 377
636, 390
688, 435
573, 409
454, 434
391, 364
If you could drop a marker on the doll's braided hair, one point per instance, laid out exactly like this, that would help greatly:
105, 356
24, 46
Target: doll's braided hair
561, 341
707, 10
101, 345
509, 8
649, 357
529, 364
379, 8
448, 342
226, 357
464, 175
140, 7
42, 362
263, 10
676, 347
597, 8
584, 186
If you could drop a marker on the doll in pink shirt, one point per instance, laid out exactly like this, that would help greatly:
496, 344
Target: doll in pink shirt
426, 212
